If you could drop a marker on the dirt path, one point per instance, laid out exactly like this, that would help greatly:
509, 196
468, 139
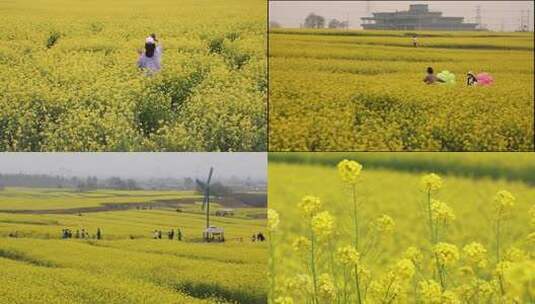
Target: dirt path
105, 207
235, 200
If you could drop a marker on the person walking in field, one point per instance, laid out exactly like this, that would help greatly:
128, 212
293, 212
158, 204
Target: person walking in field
430, 78
471, 79
179, 234
150, 59
99, 234
415, 41
155, 234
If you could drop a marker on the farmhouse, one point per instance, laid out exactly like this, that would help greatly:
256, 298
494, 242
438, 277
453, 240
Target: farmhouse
418, 17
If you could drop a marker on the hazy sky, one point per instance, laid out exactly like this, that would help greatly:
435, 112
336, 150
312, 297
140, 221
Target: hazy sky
137, 165
494, 13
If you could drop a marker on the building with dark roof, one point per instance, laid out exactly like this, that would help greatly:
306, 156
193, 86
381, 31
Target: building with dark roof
418, 17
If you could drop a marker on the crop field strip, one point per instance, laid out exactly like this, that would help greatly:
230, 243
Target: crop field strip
160, 271
72, 82
363, 91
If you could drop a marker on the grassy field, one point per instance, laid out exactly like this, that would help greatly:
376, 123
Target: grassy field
70, 80
127, 265
49, 198
384, 274
358, 90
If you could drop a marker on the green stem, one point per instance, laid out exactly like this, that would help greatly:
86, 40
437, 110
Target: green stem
440, 273
271, 266
313, 267
500, 278
356, 221
333, 269
430, 217
498, 240
355, 217
345, 286
357, 285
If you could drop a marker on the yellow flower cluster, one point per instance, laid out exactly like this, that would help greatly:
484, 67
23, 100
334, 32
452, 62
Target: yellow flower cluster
384, 224
310, 205
323, 224
514, 254
347, 256
414, 254
431, 182
284, 300
504, 202
272, 220
476, 254
349, 171
404, 269
446, 254
430, 292
301, 245
326, 288
441, 212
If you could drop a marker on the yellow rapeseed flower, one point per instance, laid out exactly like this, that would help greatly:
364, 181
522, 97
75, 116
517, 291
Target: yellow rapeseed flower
431, 182
404, 269
349, 171
414, 254
301, 244
323, 224
326, 288
446, 254
449, 297
310, 205
514, 254
476, 254
347, 256
384, 224
441, 212
272, 219
284, 300
430, 292
504, 201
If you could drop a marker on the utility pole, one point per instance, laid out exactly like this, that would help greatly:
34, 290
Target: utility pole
528, 21
478, 16
368, 7
524, 20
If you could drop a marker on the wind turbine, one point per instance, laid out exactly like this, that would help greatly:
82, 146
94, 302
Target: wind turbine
206, 197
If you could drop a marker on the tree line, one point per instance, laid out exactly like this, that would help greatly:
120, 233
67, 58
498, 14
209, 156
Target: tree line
314, 21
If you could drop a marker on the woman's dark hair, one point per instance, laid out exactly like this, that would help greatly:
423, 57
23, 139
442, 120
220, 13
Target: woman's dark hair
430, 70
149, 49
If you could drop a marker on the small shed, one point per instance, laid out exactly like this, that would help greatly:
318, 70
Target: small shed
213, 233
